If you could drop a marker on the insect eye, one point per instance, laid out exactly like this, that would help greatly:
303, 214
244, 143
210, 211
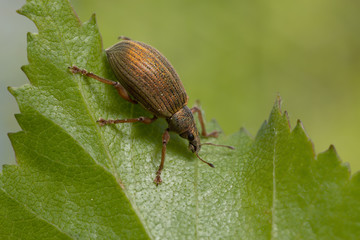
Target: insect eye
190, 137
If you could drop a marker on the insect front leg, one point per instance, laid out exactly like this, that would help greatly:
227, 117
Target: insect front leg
165, 140
201, 120
145, 120
120, 89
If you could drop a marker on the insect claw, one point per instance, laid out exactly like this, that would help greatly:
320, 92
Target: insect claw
157, 180
101, 121
74, 69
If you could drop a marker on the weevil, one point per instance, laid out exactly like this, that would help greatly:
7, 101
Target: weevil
146, 77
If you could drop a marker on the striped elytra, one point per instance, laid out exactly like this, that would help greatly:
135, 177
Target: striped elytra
148, 77
145, 76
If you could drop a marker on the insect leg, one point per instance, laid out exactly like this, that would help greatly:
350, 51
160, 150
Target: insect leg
145, 120
120, 89
201, 120
165, 140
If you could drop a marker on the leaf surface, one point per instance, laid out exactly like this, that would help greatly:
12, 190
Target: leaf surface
77, 180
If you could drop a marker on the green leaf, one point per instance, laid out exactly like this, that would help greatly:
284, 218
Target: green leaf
77, 180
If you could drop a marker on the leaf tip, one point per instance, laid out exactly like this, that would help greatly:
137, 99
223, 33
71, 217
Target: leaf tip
299, 125
30, 36
21, 11
24, 10
278, 98
276, 113
11, 90
330, 153
10, 134
25, 69
332, 158
216, 125
244, 131
92, 19
277, 104
332, 148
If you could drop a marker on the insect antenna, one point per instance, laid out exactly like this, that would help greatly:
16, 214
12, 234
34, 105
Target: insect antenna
210, 164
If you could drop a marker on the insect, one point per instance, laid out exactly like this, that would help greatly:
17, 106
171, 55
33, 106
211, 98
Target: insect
145, 76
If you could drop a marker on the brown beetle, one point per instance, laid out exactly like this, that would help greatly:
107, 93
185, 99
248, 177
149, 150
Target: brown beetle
145, 76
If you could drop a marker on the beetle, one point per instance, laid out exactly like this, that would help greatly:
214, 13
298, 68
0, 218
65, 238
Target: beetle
146, 77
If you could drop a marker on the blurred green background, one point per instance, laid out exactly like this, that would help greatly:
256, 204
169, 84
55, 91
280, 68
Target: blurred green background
234, 56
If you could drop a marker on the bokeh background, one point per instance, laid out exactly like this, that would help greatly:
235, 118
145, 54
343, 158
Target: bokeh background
235, 56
